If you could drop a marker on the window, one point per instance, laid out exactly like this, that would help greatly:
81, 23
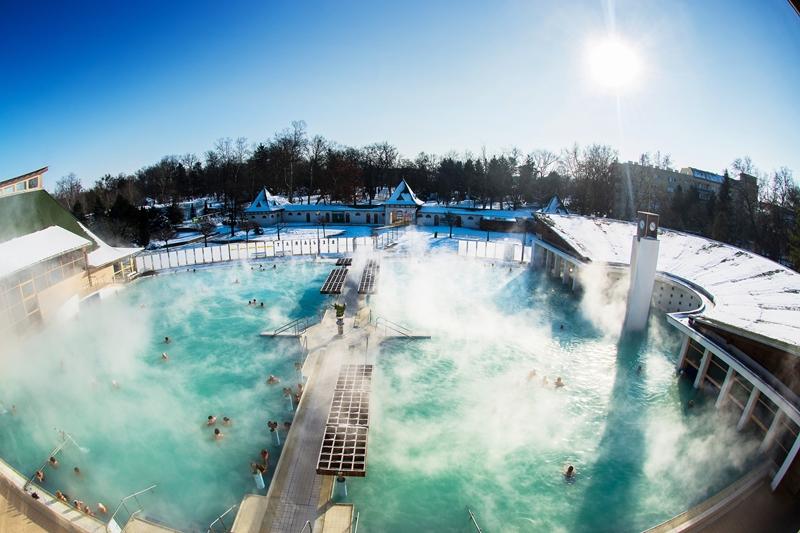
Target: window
20, 186
33, 183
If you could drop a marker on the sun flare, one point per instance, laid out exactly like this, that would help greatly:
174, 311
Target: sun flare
613, 63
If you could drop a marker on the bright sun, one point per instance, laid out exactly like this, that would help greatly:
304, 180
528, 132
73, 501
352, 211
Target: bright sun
613, 63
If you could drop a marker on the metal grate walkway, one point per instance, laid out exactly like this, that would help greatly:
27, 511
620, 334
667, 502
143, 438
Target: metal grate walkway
344, 443
335, 281
369, 277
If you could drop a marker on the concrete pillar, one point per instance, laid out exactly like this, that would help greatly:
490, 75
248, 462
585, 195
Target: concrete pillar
786, 464
575, 279
644, 257
701, 372
556, 265
548, 261
772, 432
726, 387
683, 352
748, 408
565, 274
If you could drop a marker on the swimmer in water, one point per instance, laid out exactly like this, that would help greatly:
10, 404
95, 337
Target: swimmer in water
164, 356
569, 472
115, 383
218, 434
211, 420
77, 471
265, 457
531, 374
558, 384
639, 369
101, 508
561, 326
60, 495
40, 476
271, 380
544, 380
226, 421
53, 462
262, 304
166, 340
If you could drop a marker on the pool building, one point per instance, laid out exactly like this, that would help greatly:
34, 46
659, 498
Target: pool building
736, 316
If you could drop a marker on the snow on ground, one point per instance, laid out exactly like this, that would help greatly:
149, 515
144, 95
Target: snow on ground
751, 292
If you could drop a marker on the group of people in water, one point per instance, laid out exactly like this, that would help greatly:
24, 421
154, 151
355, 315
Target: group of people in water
255, 303
212, 421
558, 383
53, 463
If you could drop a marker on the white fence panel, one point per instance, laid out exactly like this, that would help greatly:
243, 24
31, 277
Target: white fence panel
526, 256
164, 257
517, 252
269, 249
462, 248
173, 259
215, 254
349, 244
139, 260
207, 255
190, 256
225, 252
305, 248
500, 251
323, 246
484, 249
471, 248
314, 246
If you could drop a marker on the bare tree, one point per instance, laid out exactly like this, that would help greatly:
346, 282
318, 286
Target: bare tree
68, 190
248, 226
316, 153
543, 161
207, 229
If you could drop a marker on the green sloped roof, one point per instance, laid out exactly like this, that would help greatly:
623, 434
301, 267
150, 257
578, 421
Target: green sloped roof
27, 212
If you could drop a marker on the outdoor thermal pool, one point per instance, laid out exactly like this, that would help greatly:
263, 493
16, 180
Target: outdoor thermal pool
152, 429
457, 423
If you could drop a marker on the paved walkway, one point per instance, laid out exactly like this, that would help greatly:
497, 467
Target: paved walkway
295, 492
12, 520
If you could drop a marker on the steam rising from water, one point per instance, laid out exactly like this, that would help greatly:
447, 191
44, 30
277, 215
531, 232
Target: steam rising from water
457, 423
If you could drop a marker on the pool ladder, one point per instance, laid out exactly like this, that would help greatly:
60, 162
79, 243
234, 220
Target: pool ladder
112, 524
220, 521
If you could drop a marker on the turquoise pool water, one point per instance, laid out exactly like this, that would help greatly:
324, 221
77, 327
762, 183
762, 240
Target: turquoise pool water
457, 424
151, 430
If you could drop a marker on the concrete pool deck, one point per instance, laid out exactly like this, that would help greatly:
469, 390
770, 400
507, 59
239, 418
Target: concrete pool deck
296, 494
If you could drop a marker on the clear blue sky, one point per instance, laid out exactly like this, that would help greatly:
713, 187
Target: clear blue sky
109, 87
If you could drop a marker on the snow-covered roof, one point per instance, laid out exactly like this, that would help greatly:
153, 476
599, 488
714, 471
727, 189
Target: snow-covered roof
22, 252
434, 209
554, 207
332, 207
105, 254
751, 293
266, 202
403, 195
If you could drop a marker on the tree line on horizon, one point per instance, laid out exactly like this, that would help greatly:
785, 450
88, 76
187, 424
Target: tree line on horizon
309, 169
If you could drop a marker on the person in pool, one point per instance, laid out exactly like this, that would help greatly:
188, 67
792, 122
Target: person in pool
558, 384
218, 435
101, 508
226, 421
271, 380
265, 457
531, 374
40, 476
166, 340
77, 471
569, 472
53, 462
61, 496
211, 420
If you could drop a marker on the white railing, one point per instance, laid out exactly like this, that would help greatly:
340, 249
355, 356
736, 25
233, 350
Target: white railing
500, 251
253, 250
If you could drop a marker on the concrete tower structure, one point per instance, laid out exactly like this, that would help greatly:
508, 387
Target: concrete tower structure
644, 258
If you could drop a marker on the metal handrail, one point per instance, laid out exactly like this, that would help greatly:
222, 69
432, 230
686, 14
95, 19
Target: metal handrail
296, 323
64, 437
221, 521
355, 528
393, 326
310, 527
474, 522
121, 505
